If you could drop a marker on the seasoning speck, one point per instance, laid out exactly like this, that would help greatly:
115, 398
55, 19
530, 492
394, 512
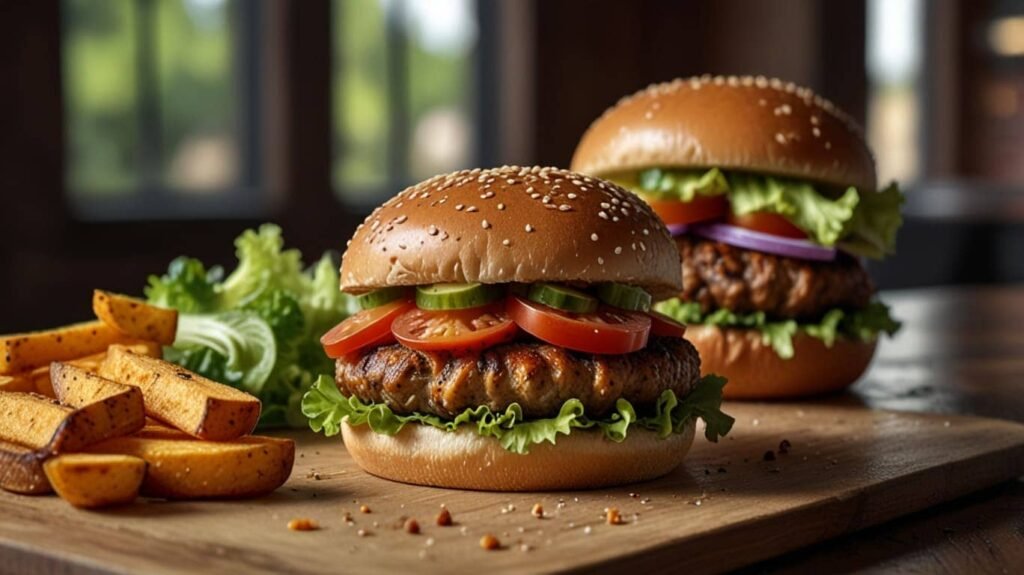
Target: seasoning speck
537, 511
364, 509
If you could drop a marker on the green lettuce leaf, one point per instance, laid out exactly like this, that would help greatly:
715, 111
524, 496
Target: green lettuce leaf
187, 287
326, 408
864, 224
872, 230
822, 218
679, 185
864, 324
263, 263
244, 339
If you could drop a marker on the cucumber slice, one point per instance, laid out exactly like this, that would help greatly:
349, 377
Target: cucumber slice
379, 297
563, 298
624, 297
456, 296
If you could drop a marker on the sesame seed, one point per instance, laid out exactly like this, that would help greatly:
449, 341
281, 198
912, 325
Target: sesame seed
643, 246
618, 250
546, 199
535, 195
506, 242
780, 138
458, 207
603, 215
401, 219
486, 224
529, 228
432, 230
529, 189
471, 209
571, 196
565, 207
501, 206
606, 205
600, 260
647, 232
593, 237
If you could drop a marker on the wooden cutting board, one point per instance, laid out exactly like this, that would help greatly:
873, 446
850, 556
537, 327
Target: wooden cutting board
847, 468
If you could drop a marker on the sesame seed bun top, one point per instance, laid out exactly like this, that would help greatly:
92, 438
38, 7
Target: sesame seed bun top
734, 123
512, 225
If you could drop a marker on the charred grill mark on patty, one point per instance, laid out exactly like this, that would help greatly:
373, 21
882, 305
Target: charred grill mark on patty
718, 275
538, 376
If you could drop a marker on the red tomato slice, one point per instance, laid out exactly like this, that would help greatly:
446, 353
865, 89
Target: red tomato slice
664, 326
699, 209
371, 327
765, 222
454, 330
606, 331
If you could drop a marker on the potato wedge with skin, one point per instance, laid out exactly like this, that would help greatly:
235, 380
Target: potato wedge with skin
41, 375
134, 317
25, 351
18, 383
31, 420
181, 467
21, 470
89, 480
41, 423
185, 400
117, 407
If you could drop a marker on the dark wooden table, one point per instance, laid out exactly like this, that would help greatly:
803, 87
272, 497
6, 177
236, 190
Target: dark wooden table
961, 350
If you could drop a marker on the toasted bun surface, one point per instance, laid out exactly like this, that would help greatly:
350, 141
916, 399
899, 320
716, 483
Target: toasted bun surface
424, 455
755, 371
508, 225
734, 123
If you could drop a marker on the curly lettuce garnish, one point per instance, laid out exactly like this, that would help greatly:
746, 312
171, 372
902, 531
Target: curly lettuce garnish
864, 324
327, 408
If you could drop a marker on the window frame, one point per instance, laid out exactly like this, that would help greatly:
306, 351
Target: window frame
151, 198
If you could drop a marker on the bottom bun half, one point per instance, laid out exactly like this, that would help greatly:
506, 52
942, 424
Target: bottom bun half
755, 371
424, 455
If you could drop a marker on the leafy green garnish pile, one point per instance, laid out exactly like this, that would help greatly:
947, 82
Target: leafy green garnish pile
326, 408
864, 224
257, 329
865, 324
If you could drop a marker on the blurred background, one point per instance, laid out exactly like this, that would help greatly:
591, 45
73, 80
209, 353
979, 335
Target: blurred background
133, 131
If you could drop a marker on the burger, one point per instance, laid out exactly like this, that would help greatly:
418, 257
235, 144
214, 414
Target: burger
771, 194
505, 340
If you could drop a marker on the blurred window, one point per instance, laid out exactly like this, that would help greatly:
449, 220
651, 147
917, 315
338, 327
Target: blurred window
894, 59
405, 90
157, 99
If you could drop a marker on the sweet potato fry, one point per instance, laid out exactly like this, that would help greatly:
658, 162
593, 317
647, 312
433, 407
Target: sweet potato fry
21, 470
196, 405
181, 467
40, 423
117, 407
90, 480
134, 317
26, 351
41, 375
20, 383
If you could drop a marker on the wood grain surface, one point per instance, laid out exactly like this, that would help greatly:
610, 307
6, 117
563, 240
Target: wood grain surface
848, 468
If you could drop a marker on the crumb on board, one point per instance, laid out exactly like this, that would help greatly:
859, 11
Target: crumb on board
303, 524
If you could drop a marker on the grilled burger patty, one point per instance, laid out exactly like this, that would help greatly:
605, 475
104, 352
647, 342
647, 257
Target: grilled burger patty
718, 275
538, 376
